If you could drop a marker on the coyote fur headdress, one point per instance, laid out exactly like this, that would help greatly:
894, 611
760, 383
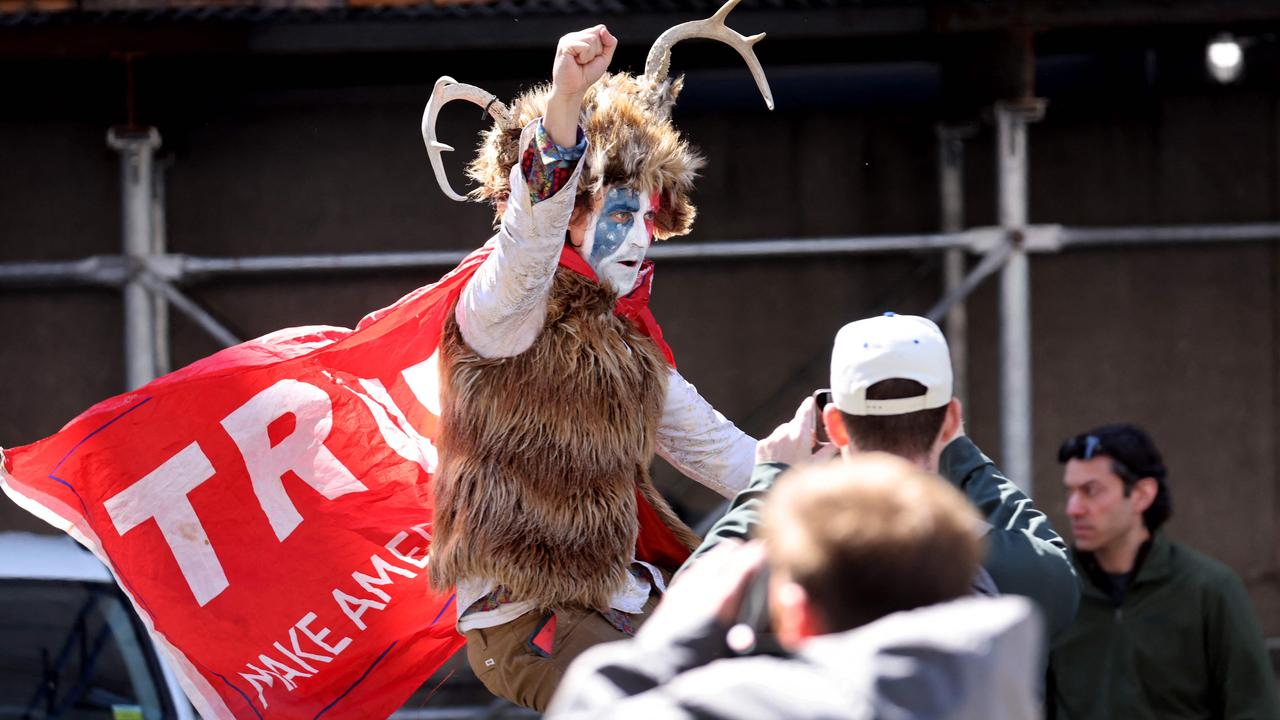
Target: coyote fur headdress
627, 121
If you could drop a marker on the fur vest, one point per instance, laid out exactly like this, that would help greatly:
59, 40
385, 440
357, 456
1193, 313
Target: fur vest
542, 455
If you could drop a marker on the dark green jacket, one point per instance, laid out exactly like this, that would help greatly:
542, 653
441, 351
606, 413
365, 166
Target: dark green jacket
1182, 643
1024, 555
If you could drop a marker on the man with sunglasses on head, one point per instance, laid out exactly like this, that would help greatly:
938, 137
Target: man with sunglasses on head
1162, 631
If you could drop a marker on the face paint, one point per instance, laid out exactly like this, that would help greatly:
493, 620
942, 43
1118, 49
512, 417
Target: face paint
618, 235
655, 203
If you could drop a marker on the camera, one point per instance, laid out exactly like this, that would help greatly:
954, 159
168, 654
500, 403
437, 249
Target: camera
821, 399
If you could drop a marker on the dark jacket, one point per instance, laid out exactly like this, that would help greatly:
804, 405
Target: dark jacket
1182, 642
1024, 555
969, 659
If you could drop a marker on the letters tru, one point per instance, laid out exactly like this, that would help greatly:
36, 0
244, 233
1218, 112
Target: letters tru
163, 494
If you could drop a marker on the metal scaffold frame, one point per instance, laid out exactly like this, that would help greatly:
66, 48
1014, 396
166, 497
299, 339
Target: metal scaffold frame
150, 277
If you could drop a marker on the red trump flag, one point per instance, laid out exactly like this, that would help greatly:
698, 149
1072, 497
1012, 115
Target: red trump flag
267, 511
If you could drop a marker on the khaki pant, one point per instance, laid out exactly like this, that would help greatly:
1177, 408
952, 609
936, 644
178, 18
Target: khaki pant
503, 658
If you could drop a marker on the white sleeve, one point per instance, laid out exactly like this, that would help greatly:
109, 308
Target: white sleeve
503, 306
701, 443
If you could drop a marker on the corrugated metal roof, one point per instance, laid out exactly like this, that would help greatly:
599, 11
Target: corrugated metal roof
28, 12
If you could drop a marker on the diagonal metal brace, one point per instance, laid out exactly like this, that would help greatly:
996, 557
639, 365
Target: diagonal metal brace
991, 262
188, 307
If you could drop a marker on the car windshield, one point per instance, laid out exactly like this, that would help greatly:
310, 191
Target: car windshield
74, 650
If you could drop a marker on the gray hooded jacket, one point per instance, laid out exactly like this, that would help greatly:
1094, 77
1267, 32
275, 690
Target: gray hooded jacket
974, 658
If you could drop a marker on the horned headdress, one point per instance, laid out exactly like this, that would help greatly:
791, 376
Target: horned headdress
626, 118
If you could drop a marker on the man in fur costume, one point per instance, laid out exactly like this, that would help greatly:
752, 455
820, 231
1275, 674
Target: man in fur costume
556, 386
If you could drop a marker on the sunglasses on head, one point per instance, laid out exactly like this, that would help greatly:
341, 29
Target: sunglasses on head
1087, 447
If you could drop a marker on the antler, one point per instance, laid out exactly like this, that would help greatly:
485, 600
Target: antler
446, 90
713, 28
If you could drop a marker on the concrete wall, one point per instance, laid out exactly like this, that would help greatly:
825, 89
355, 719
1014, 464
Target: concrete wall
1183, 340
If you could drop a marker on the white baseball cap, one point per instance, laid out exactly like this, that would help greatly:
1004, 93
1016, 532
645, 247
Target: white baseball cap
886, 347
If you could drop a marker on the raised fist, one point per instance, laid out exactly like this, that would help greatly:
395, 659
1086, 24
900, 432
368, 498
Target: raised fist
581, 58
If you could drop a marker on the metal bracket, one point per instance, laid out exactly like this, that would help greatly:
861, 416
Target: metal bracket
1034, 238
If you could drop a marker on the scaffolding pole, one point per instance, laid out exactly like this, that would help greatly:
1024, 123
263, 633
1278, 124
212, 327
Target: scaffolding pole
951, 198
198, 268
112, 270
1015, 291
159, 246
1069, 237
137, 148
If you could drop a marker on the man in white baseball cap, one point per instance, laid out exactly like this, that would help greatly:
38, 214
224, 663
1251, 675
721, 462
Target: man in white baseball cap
891, 385
891, 391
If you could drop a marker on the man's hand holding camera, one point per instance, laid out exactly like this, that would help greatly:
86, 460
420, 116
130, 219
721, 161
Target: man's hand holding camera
795, 442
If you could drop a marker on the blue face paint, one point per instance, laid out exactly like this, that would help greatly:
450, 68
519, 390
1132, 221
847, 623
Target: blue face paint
617, 216
617, 237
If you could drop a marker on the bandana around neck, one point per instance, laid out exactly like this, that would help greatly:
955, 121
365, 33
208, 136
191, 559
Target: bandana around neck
633, 306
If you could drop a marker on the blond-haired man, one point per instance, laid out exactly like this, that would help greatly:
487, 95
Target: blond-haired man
870, 564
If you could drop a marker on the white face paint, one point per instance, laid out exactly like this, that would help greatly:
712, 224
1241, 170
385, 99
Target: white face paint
618, 234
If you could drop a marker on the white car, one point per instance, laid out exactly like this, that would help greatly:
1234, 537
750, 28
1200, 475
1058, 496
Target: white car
71, 647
